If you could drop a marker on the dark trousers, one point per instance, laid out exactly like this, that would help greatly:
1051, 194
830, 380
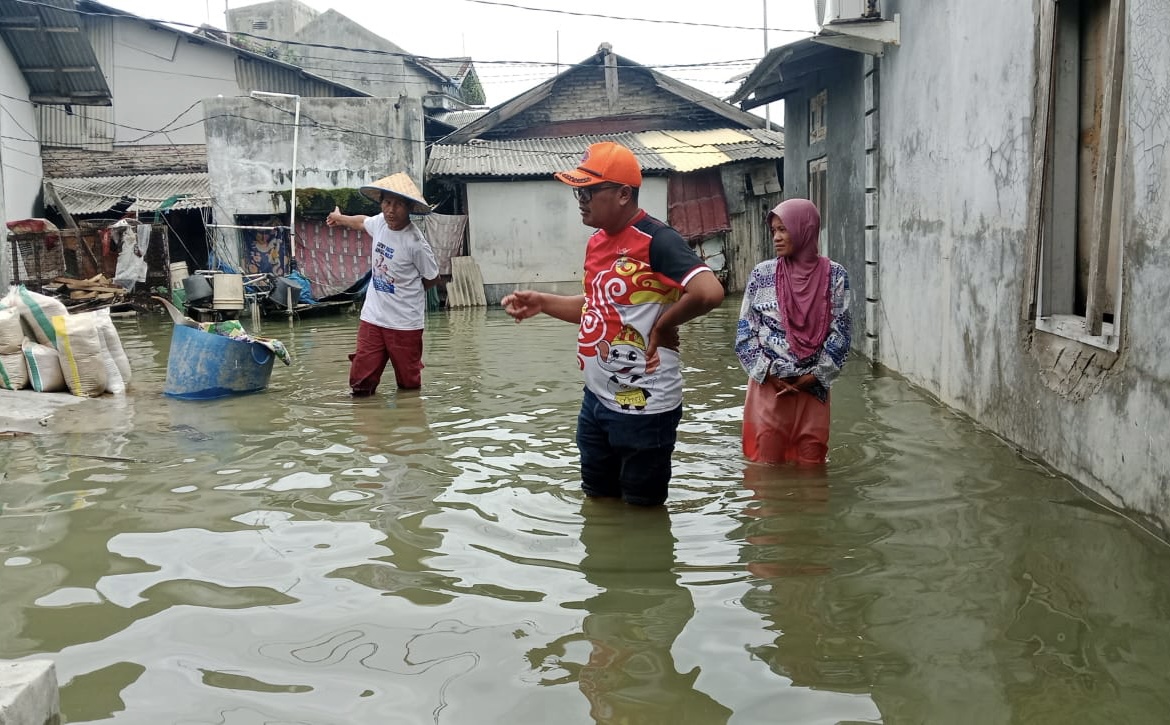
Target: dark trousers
626, 455
378, 345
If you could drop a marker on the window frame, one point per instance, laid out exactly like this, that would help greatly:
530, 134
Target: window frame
818, 193
1053, 242
817, 128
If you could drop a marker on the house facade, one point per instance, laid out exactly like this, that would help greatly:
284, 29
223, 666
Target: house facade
147, 143
26, 87
710, 170
333, 46
1007, 202
335, 144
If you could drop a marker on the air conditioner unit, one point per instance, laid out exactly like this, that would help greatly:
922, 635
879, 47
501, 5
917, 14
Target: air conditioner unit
846, 10
819, 9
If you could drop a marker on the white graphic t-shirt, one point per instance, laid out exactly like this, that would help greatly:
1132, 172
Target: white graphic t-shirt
399, 262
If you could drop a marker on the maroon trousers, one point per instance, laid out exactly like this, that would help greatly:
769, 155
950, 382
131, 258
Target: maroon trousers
378, 345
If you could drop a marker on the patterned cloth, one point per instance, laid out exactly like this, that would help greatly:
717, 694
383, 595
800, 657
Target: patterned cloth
761, 342
332, 257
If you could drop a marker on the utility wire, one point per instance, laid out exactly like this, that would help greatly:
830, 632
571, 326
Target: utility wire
755, 28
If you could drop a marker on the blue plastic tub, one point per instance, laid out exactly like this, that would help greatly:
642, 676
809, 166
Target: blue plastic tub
203, 365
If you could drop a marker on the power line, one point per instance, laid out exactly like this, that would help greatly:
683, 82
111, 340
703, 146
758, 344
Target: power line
604, 16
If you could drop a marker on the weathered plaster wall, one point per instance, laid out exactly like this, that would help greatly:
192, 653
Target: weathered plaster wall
156, 75
956, 150
383, 74
517, 233
342, 143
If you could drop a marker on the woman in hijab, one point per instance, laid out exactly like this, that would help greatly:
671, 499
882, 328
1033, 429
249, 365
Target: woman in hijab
792, 339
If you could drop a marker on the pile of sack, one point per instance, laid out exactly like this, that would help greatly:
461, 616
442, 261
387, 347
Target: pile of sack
44, 347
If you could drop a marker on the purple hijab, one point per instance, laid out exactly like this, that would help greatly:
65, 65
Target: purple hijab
802, 279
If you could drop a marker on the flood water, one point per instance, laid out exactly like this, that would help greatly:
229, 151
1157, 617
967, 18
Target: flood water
297, 556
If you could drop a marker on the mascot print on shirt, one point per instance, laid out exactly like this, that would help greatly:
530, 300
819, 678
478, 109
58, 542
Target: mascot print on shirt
627, 300
625, 360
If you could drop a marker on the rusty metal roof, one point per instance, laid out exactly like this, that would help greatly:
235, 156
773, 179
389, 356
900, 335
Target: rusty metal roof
93, 194
658, 152
53, 53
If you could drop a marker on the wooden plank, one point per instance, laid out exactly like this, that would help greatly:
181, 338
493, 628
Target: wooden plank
51, 193
1111, 76
1045, 60
466, 286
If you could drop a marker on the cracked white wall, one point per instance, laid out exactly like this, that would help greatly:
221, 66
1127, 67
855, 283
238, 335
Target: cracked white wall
957, 162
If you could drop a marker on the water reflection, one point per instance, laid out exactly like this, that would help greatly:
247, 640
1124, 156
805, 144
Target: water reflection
299, 556
799, 556
631, 623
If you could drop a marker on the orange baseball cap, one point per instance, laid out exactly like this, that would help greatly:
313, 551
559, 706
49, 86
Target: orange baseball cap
604, 161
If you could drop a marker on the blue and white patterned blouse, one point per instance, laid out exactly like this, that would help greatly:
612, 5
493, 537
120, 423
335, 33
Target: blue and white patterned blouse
761, 342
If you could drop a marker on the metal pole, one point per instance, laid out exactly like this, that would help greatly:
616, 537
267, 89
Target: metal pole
292, 211
292, 203
767, 107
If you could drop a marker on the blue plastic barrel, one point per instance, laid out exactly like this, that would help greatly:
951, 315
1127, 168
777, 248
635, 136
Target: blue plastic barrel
203, 365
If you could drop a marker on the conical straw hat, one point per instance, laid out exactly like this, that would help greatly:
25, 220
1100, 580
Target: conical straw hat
400, 185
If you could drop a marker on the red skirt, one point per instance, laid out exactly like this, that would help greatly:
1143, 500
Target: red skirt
791, 428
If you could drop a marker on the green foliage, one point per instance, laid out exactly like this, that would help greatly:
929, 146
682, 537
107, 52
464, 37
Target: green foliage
473, 90
317, 203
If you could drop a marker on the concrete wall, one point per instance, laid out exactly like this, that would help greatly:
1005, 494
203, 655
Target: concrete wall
331, 34
517, 233
342, 143
956, 168
284, 19
158, 79
20, 155
385, 74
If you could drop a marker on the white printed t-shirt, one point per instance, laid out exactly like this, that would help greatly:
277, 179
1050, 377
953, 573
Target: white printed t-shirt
399, 262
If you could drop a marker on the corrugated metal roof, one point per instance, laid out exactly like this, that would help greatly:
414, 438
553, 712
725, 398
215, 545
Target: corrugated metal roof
765, 84
691, 150
90, 195
657, 152
763, 144
455, 119
53, 53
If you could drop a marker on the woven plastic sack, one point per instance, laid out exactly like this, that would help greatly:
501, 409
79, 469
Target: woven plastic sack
44, 369
11, 331
38, 312
13, 371
113, 344
79, 348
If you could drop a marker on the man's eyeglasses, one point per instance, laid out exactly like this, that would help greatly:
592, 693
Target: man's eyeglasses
585, 193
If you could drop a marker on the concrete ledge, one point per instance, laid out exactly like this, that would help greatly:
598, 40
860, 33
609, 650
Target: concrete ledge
28, 693
27, 411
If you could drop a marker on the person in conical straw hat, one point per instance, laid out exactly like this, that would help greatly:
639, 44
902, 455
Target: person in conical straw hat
403, 268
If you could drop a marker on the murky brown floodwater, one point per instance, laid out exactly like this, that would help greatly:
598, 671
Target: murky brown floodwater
296, 556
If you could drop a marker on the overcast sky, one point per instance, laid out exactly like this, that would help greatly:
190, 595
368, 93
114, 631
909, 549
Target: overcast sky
704, 44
